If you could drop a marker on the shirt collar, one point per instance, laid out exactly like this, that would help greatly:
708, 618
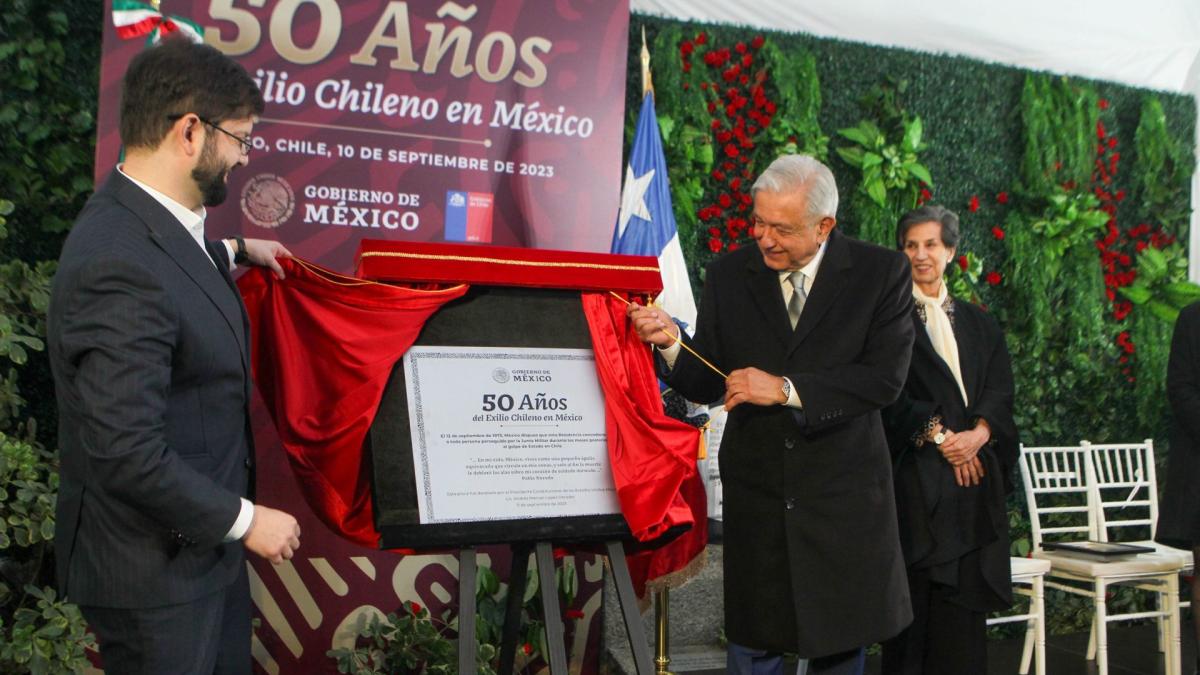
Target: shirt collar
192, 221
809, 270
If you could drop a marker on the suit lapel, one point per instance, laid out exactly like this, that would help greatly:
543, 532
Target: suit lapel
924, 347
169, 235
763, 285
832, 279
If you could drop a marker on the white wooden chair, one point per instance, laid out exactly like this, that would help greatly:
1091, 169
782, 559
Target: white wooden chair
1028, 578
1125, 495
1059, 484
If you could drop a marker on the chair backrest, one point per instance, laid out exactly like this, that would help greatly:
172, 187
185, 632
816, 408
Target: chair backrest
1057, 482
1125, 490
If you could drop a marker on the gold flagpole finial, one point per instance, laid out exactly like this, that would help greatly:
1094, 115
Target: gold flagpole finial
647, 84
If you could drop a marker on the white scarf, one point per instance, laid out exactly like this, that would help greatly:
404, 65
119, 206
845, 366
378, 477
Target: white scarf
941, 332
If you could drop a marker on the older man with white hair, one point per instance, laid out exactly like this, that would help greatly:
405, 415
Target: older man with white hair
814, 331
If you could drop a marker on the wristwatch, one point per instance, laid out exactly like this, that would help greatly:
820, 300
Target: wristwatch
787, 390
239, 256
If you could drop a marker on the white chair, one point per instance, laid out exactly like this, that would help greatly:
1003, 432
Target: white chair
1028, 578
1125, 495
1060, 491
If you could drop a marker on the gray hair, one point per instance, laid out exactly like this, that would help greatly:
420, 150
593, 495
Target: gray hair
795, 173
930, 213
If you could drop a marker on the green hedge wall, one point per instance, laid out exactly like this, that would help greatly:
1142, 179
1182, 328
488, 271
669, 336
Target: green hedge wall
975, 143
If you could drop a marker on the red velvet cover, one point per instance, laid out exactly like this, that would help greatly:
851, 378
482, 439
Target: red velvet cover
502, 266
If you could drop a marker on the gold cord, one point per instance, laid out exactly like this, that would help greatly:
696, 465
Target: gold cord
681, 343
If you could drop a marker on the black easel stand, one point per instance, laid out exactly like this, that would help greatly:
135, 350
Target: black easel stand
557, 657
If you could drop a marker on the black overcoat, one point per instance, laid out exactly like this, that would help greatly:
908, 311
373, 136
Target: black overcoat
959, 534
147, 342
1179, 518
812, 556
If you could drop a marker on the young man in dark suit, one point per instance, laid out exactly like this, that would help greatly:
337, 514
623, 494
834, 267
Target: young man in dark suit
149, 347
814, 332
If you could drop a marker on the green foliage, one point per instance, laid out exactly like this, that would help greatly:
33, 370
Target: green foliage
48, 637
413, 642
885, 149
963, 280
47, 73
28, 487
1057, 330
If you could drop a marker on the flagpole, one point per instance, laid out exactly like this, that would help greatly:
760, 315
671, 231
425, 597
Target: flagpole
662, 599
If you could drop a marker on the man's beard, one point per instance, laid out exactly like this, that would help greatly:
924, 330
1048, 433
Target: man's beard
210, 176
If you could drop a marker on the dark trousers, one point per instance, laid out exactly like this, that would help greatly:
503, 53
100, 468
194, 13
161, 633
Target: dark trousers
944, 638
208, 636
741, 660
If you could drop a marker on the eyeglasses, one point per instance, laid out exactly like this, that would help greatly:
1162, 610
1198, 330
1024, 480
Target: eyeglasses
246, 144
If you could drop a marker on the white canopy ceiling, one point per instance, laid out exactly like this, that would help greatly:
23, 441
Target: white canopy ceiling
1153, 43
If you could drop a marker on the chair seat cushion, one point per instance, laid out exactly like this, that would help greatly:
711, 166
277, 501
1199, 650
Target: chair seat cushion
1080, 564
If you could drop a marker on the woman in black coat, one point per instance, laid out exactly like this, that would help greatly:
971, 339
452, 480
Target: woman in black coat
1179, 519
953, 443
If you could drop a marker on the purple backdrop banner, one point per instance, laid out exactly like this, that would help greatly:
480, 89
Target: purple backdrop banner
492, 122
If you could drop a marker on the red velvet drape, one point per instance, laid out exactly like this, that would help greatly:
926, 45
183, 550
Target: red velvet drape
323, 348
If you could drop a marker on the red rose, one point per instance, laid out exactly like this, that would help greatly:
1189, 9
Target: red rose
757, 41
997, 232
994, 278
527, 648
715, 245
414, 608
962, 262
1103, 103
1002, 197
973, 205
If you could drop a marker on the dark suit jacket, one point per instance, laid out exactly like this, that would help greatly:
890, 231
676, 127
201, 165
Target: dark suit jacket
147, 342
812, 556
1179, 519
960, 535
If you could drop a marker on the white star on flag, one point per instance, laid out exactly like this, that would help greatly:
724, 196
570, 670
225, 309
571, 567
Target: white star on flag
633, 198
